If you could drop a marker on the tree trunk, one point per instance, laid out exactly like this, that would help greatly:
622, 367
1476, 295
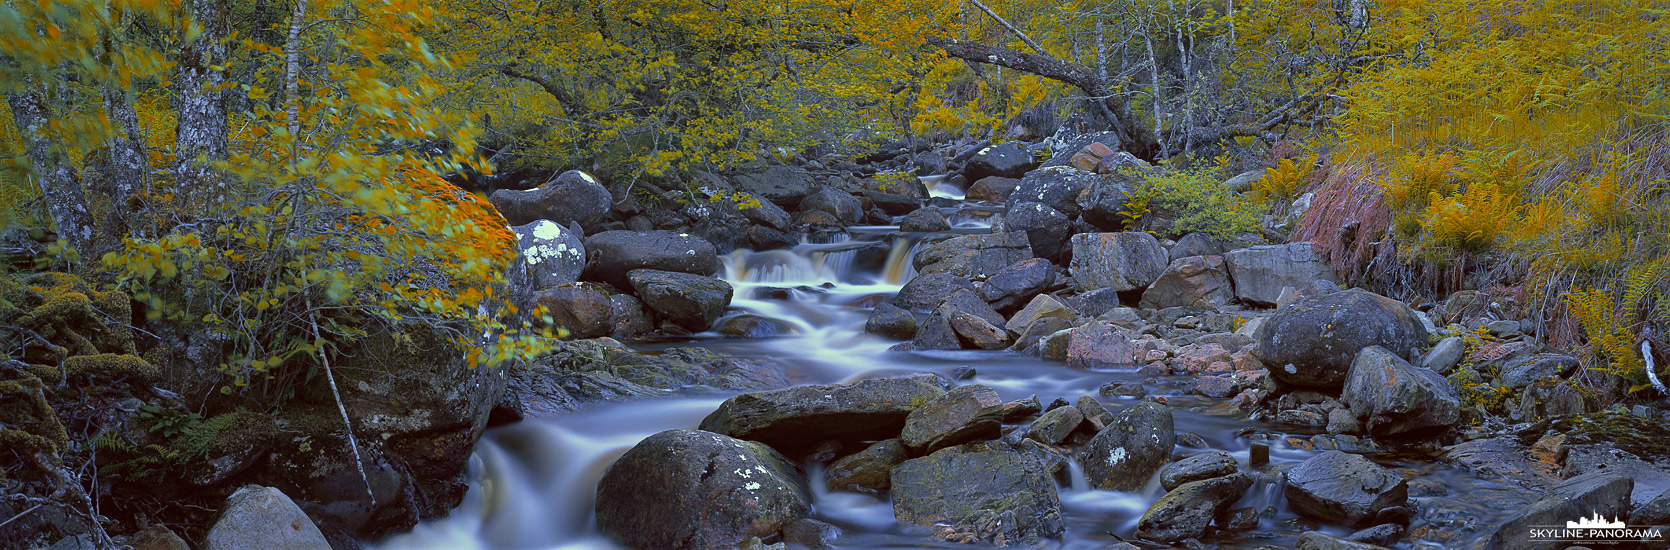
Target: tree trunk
50, 169
201, 104
129, 168
292, 70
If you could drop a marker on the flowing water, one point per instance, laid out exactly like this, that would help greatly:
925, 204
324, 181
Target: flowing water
534, 482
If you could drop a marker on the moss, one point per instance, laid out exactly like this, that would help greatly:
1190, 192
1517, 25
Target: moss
23, 403
110, 366
1627, 432
224, 433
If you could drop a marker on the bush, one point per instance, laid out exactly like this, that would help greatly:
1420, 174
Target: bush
1201, 200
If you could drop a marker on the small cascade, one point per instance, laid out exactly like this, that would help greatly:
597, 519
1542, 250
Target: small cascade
939, 188
900, 259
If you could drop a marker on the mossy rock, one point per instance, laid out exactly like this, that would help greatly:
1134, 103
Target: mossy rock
23, 404
110, 366
1626, 432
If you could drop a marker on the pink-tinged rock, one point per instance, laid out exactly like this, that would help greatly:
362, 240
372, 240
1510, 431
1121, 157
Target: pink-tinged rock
1099, 346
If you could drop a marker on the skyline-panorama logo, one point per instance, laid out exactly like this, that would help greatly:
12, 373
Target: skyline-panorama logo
1596, 529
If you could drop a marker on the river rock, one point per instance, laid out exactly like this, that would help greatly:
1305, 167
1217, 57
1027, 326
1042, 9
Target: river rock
784, 185
1195, 282
925, 292
766, 214
756, 326
1521, 373
1102, 200
867, 471
1396, 398
1136, 444
1042, 306
1047, 229
796, 418
935, 331
966, 301
974, 256
1118, 261
1186, 512
1196, 244
628, 317
1196, 468
574, 196
1056, 187
1055, 425
1014, 286
1316, 540
615, 253
966, 413
688, 489
810, 534
263, 518
1445, 355
583, 310
835, 202
991, 189
891, 322
1099, 346
1261, 272
1344, 489
692, 301
1602, 494
1009, 160
550, 255
993, 495
923, 220
978, 332
1313, 342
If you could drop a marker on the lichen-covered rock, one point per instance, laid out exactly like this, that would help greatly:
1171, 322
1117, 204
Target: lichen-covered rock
980, 494
1261, 272
924, 220
1009, 160
835, 202
1047, 229
1130, 449
1396, 398
978, 333
1344, 489
1099, 346
924, 292
588, 371
891, 322
974, 256
1196, 468
1014, 286
796, 418
867, 471
692, 301
574, 196
1186, 511
1312, 342
1195, 282
688, 489
550, 256
1057, 187
1117, 261
584, 311
613, 254
1042, 306
263, 518
967, 413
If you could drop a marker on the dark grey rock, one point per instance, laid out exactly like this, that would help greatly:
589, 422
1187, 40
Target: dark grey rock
1117, 261
1012, 287
1099, 346
835, 202
989, 494
1601, 493
1313, 342
1102, 200
755, 326
1131, 449
1058, 187
924, 219
611, 254
1396, 398
1047, 229
967, 413
688, 489
1315, 540
1042, 306
1261, 272
796, 418
891, 322
925, 292
582, 310
974, 256
1521, 373
979, 333
1195, 282
1009, 160
1196, 468
691, 301
1445, 355
1195, 244
867, 471
574, 196
991, 189
1186, 512
1344, 489
1055, 425
784, 185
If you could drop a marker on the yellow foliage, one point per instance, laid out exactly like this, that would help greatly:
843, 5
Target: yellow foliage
1475, 220
1285, 181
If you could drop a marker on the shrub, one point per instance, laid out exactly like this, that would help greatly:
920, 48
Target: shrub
1201, 200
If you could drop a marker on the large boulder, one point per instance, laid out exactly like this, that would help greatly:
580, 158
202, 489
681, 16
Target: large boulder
1047, 229
1600, 494
1312, 342
1009, 160
1131, 449
262, 518
1342, 488
797, 418
991, 189
1186, 512
763, 212
974, 256
614, 253
784, 185
688, 489
550, 255
1195, 282
940, 329
1199, 467
1395, 398
925, 292
1102, 201
889, 321
1196, 244
1042, 306
1056, 187
1261, 272
1118, 261
924, 220
966, 413
583, 310
867, 471
574, 196
1016, 285
690, 301
1099, 346
838, 203
980, 493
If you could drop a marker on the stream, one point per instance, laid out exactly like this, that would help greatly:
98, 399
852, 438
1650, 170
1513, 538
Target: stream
533, 482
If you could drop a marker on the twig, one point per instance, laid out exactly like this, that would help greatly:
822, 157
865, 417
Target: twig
352, 443
1647, 354
19, 515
